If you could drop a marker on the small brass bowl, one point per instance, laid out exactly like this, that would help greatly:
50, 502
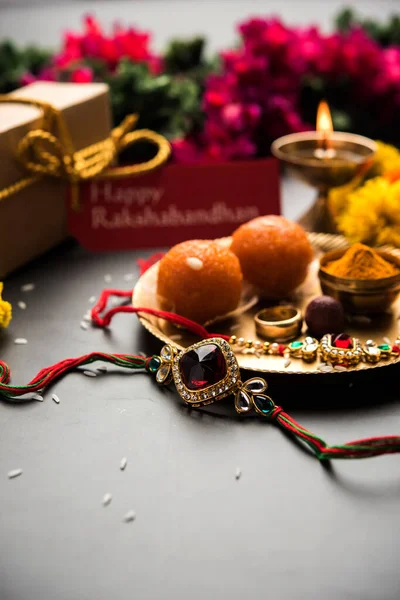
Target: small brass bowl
360, 296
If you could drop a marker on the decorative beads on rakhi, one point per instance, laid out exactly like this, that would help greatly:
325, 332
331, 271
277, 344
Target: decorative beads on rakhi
162, 365
310, 349
257, 347
341, 349
336, 349
251, 395
306, 350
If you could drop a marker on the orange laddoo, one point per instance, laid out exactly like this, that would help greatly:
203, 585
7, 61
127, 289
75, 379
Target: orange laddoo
199, 279
274, 254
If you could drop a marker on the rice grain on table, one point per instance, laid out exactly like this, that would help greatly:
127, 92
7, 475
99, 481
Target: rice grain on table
20, 341
89, 373
55, 398
238, 473
128, 276
38, 397
130, 516
107, 499
108, 278
287, 363
123, 463
22, 305
326, 369
386, 340
360, 319
102, 369
83, 325
340, 368
175, 337
14, 473
92, 299
28, 287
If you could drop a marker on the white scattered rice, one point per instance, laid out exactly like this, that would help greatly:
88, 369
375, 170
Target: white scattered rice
325, 369
128, 276
20, 341
141, 353
89, 373
107, 499
361, 319
235, 326
123, 463
14, 473
55, 398
194, 263
340, 368
386, 340
92, 299
28, 287
87, 317
102, 369
38, 397
22, 305
287, 363
83, 325
130, 516
107, 278
115, 301
175, 337
238, 473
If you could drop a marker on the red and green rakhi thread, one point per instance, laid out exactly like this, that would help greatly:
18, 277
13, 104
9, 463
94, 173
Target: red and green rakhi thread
363, 448
49, 375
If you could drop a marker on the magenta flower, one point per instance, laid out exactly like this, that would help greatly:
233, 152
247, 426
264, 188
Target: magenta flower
93, 44
82, 75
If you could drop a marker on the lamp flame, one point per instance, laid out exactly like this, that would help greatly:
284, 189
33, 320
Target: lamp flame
324, 124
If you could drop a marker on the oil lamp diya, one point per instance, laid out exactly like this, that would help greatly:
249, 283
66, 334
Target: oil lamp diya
324, 159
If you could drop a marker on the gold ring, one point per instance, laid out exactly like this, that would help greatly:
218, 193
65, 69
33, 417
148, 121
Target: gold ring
279, 323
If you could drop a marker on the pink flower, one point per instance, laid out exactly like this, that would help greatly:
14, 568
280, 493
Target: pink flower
82, 75
185, 151
27, 78
94, 43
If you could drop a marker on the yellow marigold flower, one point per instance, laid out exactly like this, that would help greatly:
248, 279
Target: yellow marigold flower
386, 162
387, 158
337, 198
372, 214
5, 310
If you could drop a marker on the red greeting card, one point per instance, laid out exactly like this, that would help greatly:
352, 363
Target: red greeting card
175, 203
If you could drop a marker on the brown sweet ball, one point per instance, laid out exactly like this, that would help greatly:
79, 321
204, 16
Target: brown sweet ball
274, 254
199, 279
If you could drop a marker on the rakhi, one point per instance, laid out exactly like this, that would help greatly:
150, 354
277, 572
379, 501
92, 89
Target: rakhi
204, 373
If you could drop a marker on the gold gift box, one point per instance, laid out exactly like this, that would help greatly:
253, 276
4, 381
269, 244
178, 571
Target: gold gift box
34, 219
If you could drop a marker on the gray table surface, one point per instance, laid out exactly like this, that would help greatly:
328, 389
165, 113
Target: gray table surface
287, 529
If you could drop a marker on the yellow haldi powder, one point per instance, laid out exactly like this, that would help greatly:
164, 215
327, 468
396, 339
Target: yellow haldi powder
361, 262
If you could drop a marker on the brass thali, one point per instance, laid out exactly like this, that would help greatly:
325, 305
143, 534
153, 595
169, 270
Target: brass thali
380, 328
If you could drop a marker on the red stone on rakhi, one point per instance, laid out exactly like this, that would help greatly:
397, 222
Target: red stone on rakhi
343, 341
202, 367
396, 349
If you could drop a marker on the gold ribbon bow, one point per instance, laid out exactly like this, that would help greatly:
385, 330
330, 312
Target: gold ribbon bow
42, 153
